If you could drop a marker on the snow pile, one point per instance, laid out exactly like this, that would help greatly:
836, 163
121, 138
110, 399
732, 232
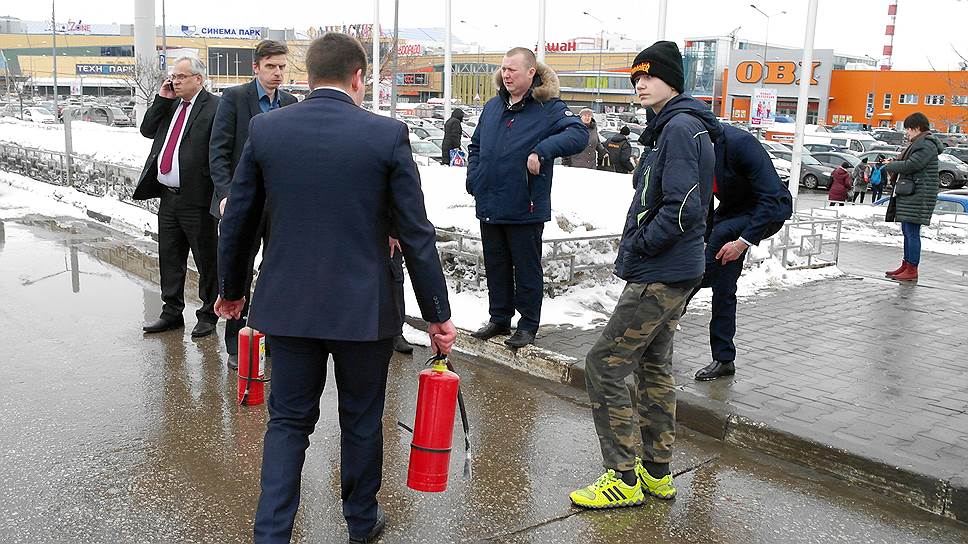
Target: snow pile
865, 223
22, 196
107, 144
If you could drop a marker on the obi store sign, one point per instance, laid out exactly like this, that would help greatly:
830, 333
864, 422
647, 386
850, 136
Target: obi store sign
773, 72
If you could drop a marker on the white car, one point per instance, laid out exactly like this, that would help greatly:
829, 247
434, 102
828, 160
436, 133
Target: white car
39, 115
425, 148
770, 145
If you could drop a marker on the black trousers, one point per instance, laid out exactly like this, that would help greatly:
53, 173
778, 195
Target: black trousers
515, 278
233, 326
184, 226
722, 279
396, 269
298, 379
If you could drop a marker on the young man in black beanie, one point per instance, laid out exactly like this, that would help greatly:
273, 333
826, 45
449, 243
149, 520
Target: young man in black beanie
661, 259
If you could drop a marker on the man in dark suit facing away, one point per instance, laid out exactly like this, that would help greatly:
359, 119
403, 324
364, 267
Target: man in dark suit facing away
230, 130
326, 285
180, 122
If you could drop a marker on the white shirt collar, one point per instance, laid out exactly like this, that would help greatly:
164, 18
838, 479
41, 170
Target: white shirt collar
335, 89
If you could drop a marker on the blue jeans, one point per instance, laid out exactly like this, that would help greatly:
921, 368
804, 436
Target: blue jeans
912, 242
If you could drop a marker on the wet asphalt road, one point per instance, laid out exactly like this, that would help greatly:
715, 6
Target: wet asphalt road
113, 436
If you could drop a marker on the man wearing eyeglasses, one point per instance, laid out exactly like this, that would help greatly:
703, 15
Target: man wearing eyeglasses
180, 123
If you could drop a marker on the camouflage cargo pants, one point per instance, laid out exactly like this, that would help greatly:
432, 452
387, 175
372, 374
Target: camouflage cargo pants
637, 338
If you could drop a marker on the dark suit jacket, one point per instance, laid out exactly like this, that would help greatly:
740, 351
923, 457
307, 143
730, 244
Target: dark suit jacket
196, 182
748, 185
230, 130
330, 174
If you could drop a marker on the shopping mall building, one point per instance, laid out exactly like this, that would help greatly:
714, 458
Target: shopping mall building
96, 59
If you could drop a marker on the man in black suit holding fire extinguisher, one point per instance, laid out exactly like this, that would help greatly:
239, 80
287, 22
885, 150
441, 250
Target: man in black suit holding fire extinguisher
326, 285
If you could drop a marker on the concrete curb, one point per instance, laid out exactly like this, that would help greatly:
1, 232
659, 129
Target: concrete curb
855, 463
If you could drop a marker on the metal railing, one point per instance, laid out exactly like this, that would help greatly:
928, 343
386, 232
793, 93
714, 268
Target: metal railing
810, 240
96, 178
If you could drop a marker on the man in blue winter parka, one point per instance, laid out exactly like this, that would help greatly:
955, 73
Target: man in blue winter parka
661, 259
519, 135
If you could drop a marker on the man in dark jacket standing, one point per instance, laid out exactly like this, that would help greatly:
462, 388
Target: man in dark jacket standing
326, 286
180, 122
520, 133
453, 130
588, 157
620, 152
753, 204
230, 130
661, 259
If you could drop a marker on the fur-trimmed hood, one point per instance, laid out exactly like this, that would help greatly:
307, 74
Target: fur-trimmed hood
544, 88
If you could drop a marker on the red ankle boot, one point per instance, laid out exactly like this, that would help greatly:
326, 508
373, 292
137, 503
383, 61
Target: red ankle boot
908, 274
904, 265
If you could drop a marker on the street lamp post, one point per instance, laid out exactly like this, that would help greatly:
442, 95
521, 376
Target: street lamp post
766, 41
601, 53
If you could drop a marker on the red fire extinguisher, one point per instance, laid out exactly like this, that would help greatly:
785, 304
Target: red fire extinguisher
438, 396
252, 374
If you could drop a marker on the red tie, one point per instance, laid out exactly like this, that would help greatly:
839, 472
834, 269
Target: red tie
169, 153
715, 187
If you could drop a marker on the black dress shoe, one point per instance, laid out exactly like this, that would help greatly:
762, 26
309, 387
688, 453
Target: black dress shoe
400, 345
375, 532
161, 325
233, 362
203, 329
491, 330
716, 369
520, 339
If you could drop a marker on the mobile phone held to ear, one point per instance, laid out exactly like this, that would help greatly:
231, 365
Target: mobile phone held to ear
171, 86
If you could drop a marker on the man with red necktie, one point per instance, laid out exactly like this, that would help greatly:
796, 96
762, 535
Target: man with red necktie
177, 171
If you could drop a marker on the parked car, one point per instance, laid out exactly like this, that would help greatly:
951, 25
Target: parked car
952, 139
105, 115
960, 152
952, 172
892, 137
849, 127
39, 115
948, 202
425, 148
817, 148
770, 145
813, 173
834, 160
425, 133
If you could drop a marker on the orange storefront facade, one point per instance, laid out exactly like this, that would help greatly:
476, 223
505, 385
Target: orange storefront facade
885, 98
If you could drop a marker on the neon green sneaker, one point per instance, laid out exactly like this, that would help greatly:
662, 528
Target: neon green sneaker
661, 488
608, 491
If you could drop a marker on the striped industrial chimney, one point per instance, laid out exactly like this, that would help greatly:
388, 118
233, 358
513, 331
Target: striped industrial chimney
889, 34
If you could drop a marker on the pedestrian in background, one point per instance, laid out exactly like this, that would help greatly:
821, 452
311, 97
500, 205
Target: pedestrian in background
620, 152
916, 190
588, 157
877, 179
453, 131
861, 177
840, 185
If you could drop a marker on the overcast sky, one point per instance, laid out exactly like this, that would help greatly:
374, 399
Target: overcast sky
927, 33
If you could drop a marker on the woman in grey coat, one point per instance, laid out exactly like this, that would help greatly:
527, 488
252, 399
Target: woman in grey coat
918, 164
860, 175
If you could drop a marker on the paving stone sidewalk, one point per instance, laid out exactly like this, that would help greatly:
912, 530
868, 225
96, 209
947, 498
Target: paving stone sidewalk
859, 361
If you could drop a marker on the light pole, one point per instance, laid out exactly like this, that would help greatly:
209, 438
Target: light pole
601, 53
766, 41
164, 39
53, 33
